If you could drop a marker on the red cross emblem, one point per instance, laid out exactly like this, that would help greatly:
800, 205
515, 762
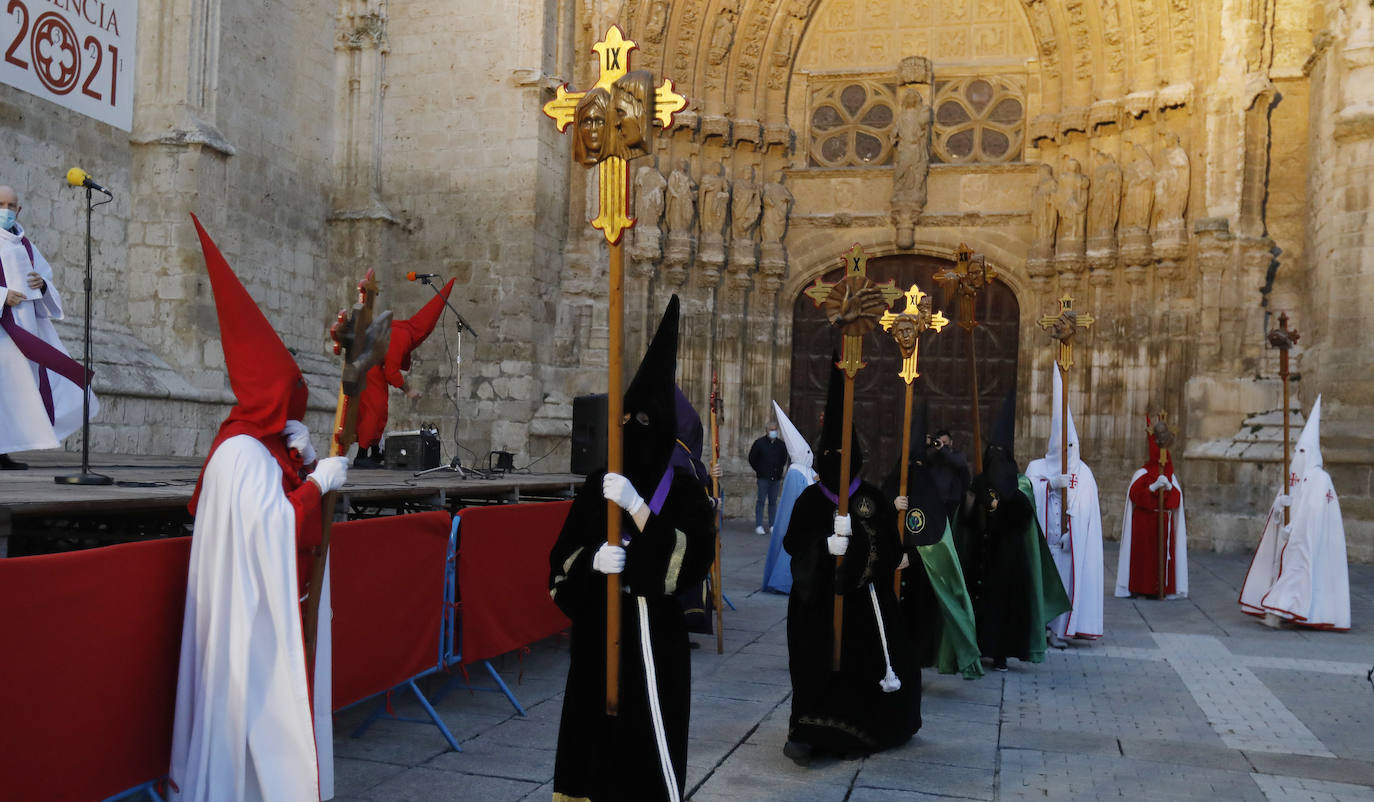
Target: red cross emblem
1330, 497
1073, 480
1292, 480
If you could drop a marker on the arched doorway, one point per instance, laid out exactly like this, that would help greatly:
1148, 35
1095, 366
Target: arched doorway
944, 379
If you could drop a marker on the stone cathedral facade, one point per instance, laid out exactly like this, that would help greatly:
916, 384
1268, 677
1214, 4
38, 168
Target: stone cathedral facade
1186, 170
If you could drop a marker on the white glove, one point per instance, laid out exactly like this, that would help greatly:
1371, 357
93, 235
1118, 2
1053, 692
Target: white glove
609, 559
842, 525
330, 474
298, 437
837, 544
618, 489
905, 563
1162, 483
1285, 500
1060, 481
901, 503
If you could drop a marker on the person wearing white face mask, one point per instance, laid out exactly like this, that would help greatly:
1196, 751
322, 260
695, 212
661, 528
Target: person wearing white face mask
768, 458
40, 384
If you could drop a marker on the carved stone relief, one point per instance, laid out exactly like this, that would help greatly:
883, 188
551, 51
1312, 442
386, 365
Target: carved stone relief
1044, 218
777, 208
745, 208
1172, 180
911, 165
1137, 204
1104, 205
1072, 205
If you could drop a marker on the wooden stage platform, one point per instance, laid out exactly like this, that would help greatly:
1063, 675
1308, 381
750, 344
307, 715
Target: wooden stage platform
149, 497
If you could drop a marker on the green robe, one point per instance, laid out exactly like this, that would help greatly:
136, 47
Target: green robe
1046, 596
951, 639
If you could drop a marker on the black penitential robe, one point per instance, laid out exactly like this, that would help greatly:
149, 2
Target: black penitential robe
997, 571
847, 712
604, 757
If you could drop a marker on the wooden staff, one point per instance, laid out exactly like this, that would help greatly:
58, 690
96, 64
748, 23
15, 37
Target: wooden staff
901, 484
964, 281
1163, 494
614, 464
1063, 450
846, 443
717, 592
363, 341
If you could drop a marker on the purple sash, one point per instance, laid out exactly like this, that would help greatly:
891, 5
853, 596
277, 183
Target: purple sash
834, 499
40, 353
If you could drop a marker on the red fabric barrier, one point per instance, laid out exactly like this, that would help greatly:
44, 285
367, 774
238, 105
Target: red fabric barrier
388, 594
503, 576
89, 671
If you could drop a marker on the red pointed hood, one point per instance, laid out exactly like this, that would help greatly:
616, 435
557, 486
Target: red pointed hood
265, 379
406, 335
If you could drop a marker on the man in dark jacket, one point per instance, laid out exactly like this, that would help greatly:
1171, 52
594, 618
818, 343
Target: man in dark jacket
768, 458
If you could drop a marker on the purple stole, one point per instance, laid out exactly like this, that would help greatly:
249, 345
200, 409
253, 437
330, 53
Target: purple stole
39, 352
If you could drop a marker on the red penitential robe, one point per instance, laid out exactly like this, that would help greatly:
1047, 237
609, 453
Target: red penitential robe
406, 336
1138, 565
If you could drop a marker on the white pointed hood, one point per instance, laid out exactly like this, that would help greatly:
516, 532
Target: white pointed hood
1308, 452
1052, 456
798, 451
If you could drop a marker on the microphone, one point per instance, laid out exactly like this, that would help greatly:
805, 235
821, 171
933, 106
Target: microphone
413, 276
80, 178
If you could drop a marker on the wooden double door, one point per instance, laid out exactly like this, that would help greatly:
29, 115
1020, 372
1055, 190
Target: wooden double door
944, 365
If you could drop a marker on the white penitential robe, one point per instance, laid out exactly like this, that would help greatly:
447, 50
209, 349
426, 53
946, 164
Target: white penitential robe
1078, 552
243, 727
24, 424
1299, 571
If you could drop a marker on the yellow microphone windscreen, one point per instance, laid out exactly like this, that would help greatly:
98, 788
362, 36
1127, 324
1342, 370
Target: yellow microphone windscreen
76, 176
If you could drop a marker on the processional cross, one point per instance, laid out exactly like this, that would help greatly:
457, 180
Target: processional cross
853, 304
1284, 338
965, 280
614, 123
1062, 327
906, 328
1164, 439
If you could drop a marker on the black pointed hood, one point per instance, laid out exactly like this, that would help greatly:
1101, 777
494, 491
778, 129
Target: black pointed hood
999, 458
832, 434
650, 429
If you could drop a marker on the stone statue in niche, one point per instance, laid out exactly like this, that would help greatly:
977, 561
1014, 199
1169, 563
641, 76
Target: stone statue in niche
650, 188
680, 211
1138, 200
911, 165
1172, 181
1104, 206
1044, 214
777, 207
712, 207
658, 20
745, 206
1072, 204
722, 36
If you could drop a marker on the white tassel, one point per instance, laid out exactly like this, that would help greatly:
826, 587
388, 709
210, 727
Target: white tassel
889, 683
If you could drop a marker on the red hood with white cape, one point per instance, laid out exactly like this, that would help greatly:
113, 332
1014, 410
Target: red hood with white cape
244, 728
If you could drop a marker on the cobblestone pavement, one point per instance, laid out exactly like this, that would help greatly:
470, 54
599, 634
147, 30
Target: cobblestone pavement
1181, 700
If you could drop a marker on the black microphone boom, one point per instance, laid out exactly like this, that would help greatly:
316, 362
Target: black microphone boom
413, 276
80, 178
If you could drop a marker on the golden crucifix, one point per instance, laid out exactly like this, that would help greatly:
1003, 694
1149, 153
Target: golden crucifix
614, 123
852, 304
965, 280
1063, 327
906, 328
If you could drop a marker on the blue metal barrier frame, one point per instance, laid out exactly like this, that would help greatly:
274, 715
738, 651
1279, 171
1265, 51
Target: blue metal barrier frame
150, 788
445, 648
452, 656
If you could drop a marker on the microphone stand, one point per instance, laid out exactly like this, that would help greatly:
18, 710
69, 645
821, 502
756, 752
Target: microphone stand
87, 477
454, 465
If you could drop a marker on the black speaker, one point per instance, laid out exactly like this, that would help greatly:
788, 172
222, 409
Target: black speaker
412, 451
588, 434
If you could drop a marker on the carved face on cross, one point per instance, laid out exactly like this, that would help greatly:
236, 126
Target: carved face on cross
906, 328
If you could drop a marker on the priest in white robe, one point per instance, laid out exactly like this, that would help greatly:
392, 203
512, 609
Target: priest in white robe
250, 723
1299, 572
1077, 552
40, 384
777, 567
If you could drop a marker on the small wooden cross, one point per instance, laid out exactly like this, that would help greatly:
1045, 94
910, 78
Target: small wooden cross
906, 328
1063, 327
965, 281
